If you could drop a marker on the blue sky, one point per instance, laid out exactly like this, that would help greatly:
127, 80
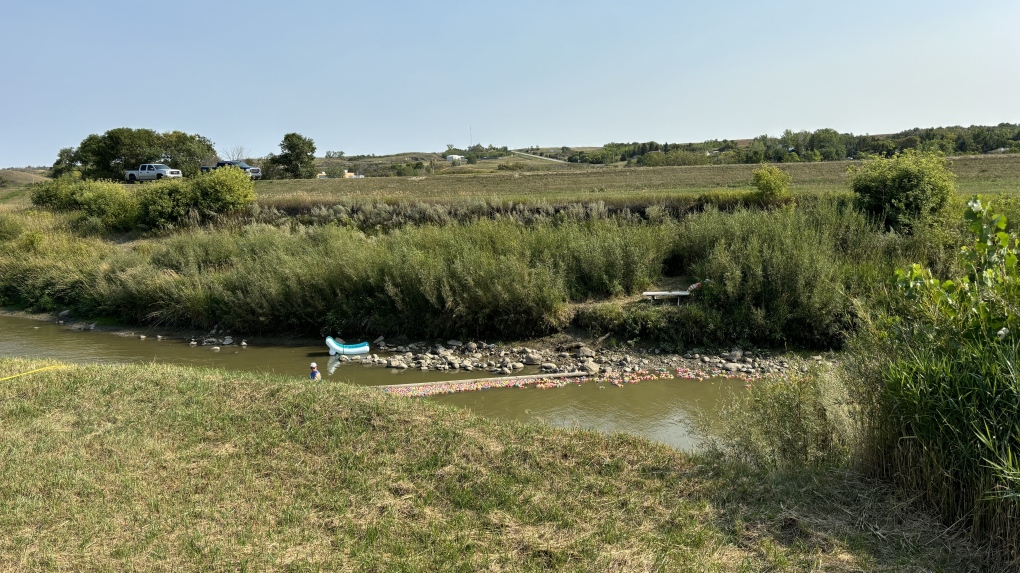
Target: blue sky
387, 77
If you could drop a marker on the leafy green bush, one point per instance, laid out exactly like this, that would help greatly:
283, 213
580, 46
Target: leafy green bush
771, 181
907, 190
175, 202
941, 386
55, 193
166, 203
223, 190
107, 201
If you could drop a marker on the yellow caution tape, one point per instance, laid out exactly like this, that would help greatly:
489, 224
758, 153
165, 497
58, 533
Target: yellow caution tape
32, 371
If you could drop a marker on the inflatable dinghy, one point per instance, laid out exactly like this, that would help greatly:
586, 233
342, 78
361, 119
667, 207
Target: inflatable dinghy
345, 349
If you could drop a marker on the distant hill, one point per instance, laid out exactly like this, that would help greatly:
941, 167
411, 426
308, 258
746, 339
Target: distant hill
20, 177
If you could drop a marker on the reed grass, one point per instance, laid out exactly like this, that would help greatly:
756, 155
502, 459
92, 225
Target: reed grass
779, 276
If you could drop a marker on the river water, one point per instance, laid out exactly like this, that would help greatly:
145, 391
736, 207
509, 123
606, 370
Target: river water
659, 409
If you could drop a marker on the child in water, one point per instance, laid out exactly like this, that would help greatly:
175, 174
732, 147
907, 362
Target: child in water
315, 374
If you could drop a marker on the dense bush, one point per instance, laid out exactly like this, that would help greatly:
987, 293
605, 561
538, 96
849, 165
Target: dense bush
907, 190
781, 277
109, 205
107, 202
941, 390
772, 182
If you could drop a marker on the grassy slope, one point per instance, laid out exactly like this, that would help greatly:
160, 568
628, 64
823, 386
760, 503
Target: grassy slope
156, 468
20, 177
980, 174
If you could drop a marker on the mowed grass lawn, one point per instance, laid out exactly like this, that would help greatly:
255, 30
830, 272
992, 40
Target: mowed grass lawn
979, 174
151, 467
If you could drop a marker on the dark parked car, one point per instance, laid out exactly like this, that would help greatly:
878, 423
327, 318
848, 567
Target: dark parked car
253, 172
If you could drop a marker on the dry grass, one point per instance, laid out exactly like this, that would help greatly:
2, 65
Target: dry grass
153, 467
19, 177
979, 174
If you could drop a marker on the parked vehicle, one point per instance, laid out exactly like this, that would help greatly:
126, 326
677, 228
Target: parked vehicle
151, 172
253, 172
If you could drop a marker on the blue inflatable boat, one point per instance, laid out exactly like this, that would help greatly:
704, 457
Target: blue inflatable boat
345, 349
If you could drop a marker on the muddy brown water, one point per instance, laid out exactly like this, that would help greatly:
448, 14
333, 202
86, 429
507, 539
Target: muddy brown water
659, 409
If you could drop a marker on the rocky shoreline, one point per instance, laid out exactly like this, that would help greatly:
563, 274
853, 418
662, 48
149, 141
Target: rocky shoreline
578, 357
550, 356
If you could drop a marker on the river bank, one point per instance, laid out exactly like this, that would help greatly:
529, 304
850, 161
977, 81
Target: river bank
165, 467
563, 352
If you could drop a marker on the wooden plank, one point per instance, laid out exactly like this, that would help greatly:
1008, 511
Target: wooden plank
473, 380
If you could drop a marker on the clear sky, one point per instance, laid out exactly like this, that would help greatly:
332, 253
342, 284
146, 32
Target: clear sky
387, 77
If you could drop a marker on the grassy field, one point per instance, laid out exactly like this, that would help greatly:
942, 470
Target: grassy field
153, 467
979, 174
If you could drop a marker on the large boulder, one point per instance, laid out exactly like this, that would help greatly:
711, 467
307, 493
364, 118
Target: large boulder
585, 352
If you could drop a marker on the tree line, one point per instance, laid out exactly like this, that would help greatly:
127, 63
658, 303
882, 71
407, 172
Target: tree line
820, 145
108, 155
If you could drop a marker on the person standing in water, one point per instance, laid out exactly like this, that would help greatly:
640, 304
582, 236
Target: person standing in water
315, 374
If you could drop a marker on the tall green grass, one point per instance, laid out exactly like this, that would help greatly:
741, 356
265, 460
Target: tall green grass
484, 278
778, 276
939, 391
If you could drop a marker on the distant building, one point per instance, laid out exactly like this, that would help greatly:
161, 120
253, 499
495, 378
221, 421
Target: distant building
452, 158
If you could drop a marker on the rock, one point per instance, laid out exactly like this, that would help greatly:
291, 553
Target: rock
344, 358
380, 339
504, 370
591, 367
228, 341
453, 343
706, 359
471, 347
818, 358
244, 344
64, 314
141, 337
731, 366
397, 364
517, 365
215, 348
585, 352
532, 359
548, 366
193, 343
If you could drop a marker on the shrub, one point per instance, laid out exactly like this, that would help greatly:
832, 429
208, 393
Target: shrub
55, 194
223, 190
107, 201
785, 423
941, 391
771, 181
165, 203
907, 190
173, 202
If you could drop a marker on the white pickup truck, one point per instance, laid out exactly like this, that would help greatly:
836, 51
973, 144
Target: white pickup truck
150, 172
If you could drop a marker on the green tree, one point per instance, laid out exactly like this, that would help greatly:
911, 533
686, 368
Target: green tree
66, 163
106, 156
296, 159
771, 181
905, 190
